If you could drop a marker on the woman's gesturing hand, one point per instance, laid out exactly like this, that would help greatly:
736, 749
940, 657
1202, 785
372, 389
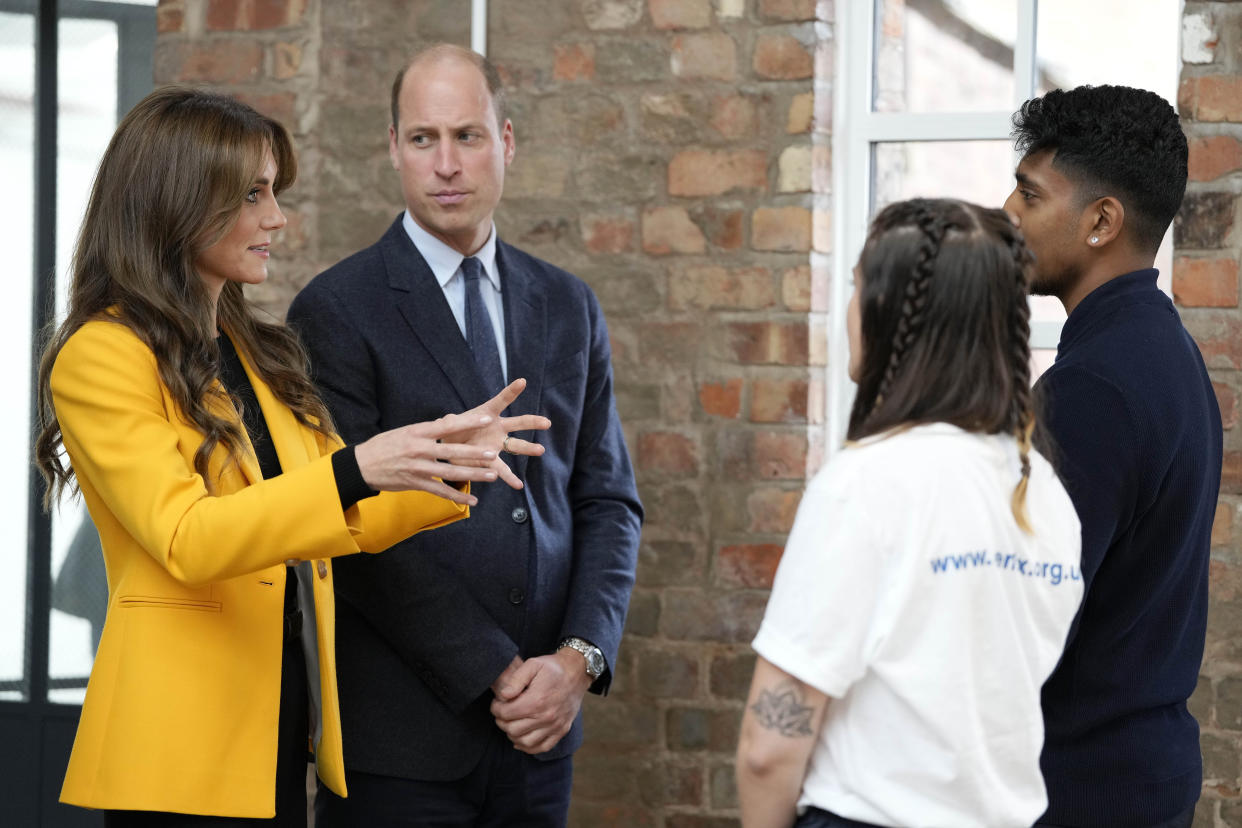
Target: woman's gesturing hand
456, 447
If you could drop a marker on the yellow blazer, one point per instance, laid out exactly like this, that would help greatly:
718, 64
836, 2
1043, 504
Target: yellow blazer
182, 706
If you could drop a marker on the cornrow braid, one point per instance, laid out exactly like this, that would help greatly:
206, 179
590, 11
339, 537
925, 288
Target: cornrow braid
915, 296
1022, 407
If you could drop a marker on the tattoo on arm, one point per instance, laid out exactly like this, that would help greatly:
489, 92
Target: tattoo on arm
781, 709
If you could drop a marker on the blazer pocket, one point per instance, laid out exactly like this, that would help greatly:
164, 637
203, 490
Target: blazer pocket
565, 370
160, 602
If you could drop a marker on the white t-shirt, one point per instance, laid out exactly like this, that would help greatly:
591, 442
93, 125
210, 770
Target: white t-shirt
909, 595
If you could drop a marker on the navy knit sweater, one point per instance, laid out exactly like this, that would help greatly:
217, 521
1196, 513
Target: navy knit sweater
1137, 435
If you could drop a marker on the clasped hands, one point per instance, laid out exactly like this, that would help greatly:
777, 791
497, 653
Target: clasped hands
456, 447
537, 699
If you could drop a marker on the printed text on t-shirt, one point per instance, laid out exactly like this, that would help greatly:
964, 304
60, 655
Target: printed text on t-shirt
1053, 573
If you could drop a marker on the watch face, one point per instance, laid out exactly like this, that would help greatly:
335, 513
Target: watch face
595, 663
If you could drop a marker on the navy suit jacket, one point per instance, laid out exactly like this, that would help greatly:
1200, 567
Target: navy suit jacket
425, 628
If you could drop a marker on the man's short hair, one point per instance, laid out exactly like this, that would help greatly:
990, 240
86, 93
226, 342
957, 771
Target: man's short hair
1112, 141
440, 51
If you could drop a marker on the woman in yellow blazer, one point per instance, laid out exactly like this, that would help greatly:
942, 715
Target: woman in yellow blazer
219, 489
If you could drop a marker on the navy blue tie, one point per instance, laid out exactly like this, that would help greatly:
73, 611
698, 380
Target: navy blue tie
479, 332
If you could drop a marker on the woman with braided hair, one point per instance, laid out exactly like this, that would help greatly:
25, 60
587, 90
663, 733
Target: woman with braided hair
931, 576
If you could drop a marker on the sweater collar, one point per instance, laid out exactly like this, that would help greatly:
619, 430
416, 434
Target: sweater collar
1131, 284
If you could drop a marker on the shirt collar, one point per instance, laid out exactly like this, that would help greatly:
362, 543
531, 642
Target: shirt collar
1136, 282
443, 260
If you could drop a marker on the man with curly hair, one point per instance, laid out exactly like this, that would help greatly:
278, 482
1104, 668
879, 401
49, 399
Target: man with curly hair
1134, 427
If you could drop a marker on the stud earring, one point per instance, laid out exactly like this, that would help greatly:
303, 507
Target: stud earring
1095, 239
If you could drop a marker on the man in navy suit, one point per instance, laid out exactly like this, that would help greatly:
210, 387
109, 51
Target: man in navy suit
464, 654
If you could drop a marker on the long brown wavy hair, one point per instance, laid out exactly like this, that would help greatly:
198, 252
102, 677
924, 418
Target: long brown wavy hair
946, 326
171, 183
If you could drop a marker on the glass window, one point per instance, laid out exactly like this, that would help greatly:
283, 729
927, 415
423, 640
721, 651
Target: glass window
17, 65
87, 117
954, 56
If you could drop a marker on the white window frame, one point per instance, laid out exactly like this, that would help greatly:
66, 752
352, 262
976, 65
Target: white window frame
857, 128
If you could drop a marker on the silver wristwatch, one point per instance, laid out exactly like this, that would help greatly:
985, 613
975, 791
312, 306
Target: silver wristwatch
595, 663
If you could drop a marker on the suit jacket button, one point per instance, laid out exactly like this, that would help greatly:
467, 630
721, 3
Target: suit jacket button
516, 596
322, 566
519, 514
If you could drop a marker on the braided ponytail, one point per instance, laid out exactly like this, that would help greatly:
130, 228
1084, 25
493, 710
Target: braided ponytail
914, 299
1022, 407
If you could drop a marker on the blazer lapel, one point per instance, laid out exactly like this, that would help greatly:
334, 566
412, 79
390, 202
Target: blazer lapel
525, 336
421, 301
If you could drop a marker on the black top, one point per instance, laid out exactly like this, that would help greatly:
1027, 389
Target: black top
1138, 434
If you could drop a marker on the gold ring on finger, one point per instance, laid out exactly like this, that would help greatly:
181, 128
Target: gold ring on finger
504, 447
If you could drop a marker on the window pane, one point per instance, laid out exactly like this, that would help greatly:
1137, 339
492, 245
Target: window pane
17, 65
1140, 48
88, 102
944, 55
978, 171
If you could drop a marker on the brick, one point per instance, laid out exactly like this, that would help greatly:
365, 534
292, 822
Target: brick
801, 113
278, 106
669, 783
673, 504
244, 15
222, 62
604, 776
286, 60
693, 728
574, 62
610, 814
680, 820
783, 229
538, 174
1215, 98
767, 342
1214, 156
1219, 336
821, 230
764, 455
1231, 473
714, 172
730, 9
711, 56
729, 676
170, 16
670, 230
772, 510
749, 565
1220, 759
643, 618
782, 57
663, 674
778, 401
637, 400
713, 287
723, 226
721, 399
1222, 524
665, 563
674, 117
1211, 283
723, 788
612, 14
800, 293
608, 233
1199, 38
617, 179
632, 60
794, 170
703, 615
1227, 400
668, 453
621, 725
680, 14
734, 116
787, 9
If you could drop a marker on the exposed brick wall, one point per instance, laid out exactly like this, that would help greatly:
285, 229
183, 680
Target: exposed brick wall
664, 155
1208, 248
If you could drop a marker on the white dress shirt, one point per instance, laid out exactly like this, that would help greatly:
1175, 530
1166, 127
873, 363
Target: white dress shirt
445, 263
